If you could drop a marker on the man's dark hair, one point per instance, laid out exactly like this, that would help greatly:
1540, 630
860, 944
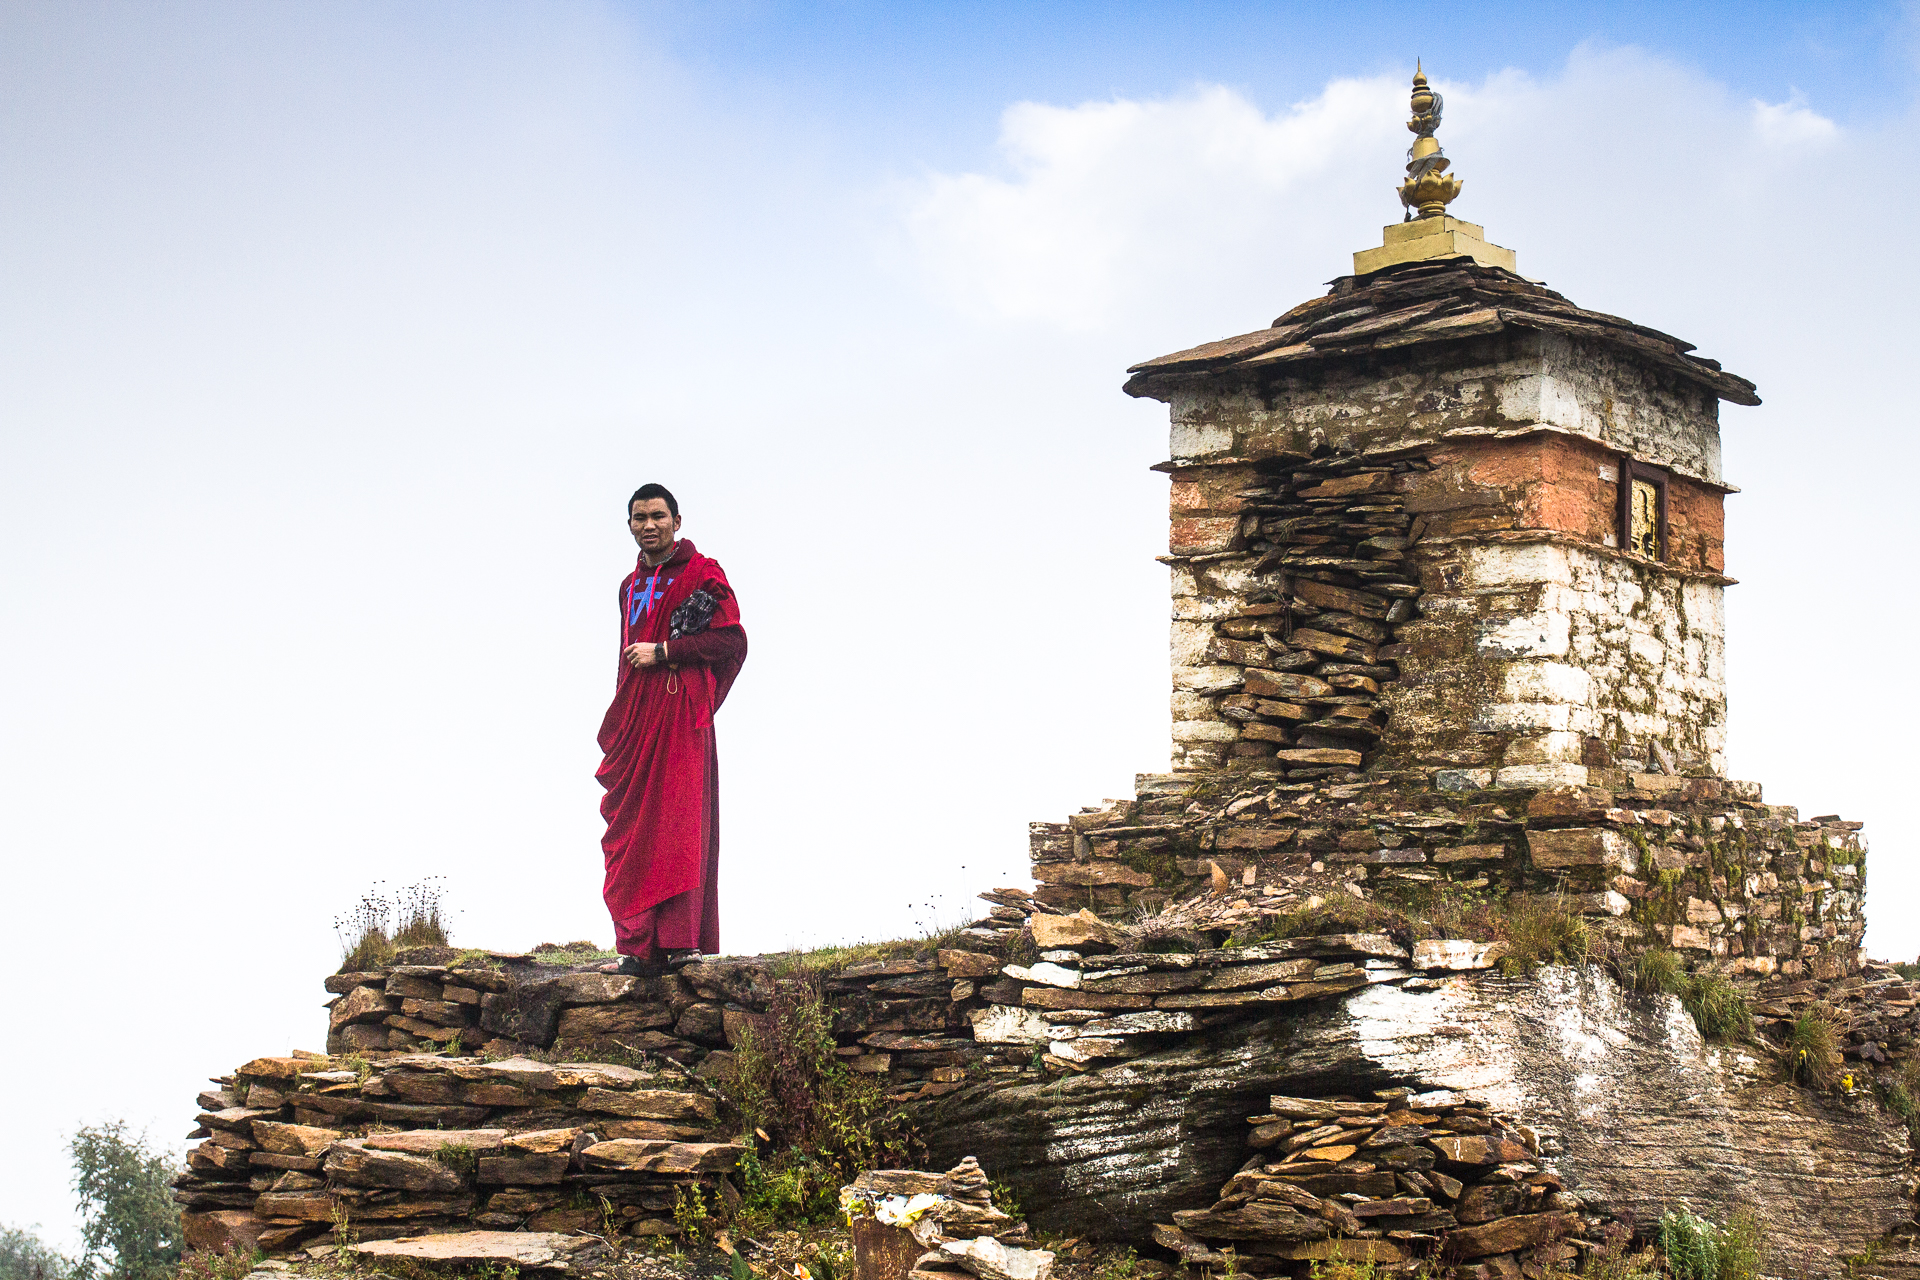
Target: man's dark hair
654, 491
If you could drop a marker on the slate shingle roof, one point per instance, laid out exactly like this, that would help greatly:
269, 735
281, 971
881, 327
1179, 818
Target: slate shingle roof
1427, 302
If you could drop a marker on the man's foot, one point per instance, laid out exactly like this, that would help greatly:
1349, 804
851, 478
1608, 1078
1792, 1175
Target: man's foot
675, 959
635, 967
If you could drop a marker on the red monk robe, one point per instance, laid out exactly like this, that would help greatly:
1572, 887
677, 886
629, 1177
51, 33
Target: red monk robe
660, 768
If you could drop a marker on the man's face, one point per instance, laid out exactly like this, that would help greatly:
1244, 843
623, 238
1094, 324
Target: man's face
652, 525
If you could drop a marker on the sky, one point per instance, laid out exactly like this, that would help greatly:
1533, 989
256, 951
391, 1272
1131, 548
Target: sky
333, 338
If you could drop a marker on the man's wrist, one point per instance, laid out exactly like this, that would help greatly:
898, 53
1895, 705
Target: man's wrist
660, 651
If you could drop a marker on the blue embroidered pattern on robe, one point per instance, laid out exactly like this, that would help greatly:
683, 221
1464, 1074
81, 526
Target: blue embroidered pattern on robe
642, 596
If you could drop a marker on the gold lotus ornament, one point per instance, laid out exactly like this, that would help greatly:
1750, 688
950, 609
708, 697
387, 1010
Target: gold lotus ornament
1427, 232
1428, 187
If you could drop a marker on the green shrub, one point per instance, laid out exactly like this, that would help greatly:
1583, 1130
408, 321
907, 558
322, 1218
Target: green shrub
130, 1227
25, 1256
1689, 1243
788, 1082
789, 1188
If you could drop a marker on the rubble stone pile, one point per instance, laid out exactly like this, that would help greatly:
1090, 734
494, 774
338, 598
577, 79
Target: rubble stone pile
1392, 1179
294, 1147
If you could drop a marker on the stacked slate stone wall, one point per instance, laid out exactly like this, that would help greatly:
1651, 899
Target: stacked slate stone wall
1697, 864
903, 1020
296, 1149
1283, 608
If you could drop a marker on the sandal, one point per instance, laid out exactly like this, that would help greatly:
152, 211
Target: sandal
635, 967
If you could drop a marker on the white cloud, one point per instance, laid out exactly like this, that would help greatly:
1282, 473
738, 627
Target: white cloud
1108, 197
1791, 123
1196, 211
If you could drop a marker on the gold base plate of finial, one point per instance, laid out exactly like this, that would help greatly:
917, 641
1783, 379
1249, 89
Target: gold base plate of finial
1422, 239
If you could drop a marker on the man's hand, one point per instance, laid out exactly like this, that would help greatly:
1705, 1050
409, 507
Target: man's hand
639, 655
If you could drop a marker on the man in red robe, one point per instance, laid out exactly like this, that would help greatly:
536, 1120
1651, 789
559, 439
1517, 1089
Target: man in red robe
681, 645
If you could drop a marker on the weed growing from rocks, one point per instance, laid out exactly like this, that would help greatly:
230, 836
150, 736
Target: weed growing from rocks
1657, 971
228, 1264
824, 1124
1543, 932
1900, 1094
457, 1156
363, 929
420, 908
1698, 1250
1341, 1269
1715, 1004
1611, 1261
1005, 1200
1813, 1048
571, 954
1718, 1008
367, 933
693, 1215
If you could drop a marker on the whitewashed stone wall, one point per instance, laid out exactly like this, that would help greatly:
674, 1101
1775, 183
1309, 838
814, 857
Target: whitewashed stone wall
1530, 653
1516, 381
1572, 648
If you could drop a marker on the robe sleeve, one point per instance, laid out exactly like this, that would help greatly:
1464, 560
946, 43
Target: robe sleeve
715, 646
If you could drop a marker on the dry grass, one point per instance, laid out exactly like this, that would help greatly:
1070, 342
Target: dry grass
845, 955
377, 926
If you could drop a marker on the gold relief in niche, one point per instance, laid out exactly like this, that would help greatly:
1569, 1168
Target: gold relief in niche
1643, 532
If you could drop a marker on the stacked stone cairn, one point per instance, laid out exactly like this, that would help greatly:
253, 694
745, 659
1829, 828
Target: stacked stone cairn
1292, 675
945, 1223
1393, 1179
412, 1144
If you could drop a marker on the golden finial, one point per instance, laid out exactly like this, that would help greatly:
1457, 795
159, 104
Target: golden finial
1427, 188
